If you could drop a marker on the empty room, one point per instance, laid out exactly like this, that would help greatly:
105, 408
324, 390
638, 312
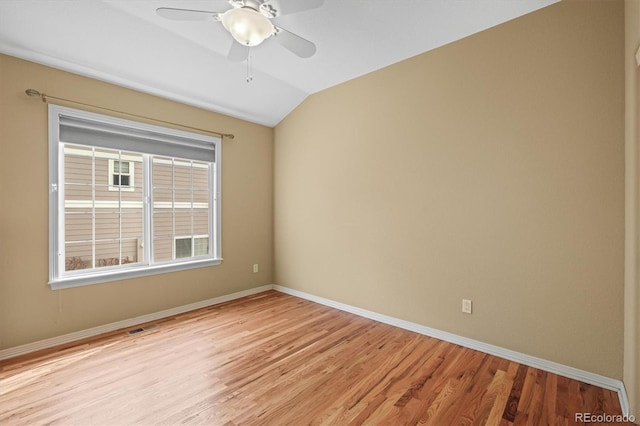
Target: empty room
291, 212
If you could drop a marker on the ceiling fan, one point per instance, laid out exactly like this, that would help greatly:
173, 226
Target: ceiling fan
249, 22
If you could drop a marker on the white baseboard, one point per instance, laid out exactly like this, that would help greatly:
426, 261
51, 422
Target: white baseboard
531, 361
82, 334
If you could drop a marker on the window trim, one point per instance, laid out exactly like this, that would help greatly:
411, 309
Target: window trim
57, 278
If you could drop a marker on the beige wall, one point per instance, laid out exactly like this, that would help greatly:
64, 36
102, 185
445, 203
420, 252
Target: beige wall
632, 262
29, 309
490, 169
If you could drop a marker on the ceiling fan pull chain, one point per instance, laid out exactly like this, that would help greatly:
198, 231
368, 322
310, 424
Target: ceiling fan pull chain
249, 73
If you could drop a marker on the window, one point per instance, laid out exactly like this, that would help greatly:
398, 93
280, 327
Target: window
185, 246
121, 175
129, 199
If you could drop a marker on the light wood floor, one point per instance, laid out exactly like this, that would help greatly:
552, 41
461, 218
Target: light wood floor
275, 359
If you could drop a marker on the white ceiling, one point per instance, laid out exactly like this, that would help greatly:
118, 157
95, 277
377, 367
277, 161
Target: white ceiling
125, 42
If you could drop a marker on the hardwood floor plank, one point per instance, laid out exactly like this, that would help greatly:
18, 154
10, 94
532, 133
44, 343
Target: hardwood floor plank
526, 397
500, 402
461, 384
274, 359
550, 395
469, 404
516, 391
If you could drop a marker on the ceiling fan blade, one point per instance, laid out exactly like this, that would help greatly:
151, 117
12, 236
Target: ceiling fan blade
187, 14
296, 44
238, 52
287, 7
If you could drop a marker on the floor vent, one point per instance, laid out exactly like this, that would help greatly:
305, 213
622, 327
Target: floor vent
141, 329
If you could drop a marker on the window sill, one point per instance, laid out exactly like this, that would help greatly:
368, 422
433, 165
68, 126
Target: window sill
96, 278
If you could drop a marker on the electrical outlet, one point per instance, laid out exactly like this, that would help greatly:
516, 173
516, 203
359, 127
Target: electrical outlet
466, 306
255, 268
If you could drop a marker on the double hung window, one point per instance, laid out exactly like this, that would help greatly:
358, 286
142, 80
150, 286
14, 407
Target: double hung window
121, 175
129, 199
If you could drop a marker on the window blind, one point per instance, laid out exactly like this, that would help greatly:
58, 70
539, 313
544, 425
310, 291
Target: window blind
117, 136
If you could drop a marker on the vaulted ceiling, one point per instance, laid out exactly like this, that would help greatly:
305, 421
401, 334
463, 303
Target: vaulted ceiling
125, 42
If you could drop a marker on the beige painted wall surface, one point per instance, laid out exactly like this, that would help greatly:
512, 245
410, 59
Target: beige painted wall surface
490, 169
30, 310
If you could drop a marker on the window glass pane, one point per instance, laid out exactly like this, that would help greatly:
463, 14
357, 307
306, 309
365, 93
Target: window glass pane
201, 246
132, 235
182, 197
163, 223
132, 197
136, 170
201, 222
162, 172
130, 250
79, 192
182, 174
180, 206
132, 223
162, 249
107, 196
163, 195
102, 157
183, 247
107, 225
200, 176
201, 198
78, 255
78, 164
78, 225
183, 222
99, 219
162, 234
107, 253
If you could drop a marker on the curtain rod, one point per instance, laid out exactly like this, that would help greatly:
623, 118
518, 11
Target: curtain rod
45, 98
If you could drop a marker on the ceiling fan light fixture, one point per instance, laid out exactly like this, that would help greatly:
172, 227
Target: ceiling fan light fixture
247, 26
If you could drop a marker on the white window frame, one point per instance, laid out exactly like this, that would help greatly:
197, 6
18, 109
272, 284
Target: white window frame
58, 277
131, 186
